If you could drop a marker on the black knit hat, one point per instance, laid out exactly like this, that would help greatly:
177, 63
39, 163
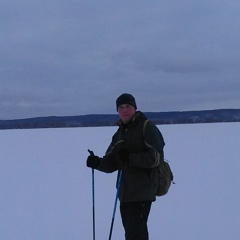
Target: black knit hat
126, 98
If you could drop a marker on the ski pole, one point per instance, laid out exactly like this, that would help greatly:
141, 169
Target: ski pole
93, 197
115, 204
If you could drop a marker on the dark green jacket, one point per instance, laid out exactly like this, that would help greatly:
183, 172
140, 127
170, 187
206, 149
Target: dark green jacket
139, 172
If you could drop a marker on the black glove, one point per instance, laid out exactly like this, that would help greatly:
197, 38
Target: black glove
123, 154
93, 161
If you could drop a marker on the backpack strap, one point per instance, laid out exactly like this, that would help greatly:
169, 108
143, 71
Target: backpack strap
145, 126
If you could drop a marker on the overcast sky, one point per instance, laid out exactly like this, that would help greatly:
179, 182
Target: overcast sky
76, 57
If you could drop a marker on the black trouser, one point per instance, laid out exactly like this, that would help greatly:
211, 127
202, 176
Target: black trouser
134, 218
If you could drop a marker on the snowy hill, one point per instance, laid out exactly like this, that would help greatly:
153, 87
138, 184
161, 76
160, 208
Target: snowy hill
46, 187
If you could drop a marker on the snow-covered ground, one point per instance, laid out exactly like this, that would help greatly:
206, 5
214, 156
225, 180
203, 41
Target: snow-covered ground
46, 188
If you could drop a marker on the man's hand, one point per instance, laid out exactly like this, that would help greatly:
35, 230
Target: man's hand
123, 154
93, 161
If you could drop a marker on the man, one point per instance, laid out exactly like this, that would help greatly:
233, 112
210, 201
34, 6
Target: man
137, 155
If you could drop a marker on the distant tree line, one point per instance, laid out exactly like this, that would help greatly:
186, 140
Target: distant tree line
94, 120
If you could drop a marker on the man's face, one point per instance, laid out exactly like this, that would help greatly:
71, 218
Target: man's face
126, 112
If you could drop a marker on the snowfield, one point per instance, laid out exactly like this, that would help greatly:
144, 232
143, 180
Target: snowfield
46, 188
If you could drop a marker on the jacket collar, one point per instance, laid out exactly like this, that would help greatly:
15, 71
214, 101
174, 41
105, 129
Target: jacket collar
136, 118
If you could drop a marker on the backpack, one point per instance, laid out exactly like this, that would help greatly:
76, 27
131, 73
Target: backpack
165, 175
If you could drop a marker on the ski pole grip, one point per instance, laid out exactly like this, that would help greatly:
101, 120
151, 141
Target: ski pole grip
91, 152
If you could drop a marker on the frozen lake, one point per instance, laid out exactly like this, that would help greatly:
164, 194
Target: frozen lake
46, 188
